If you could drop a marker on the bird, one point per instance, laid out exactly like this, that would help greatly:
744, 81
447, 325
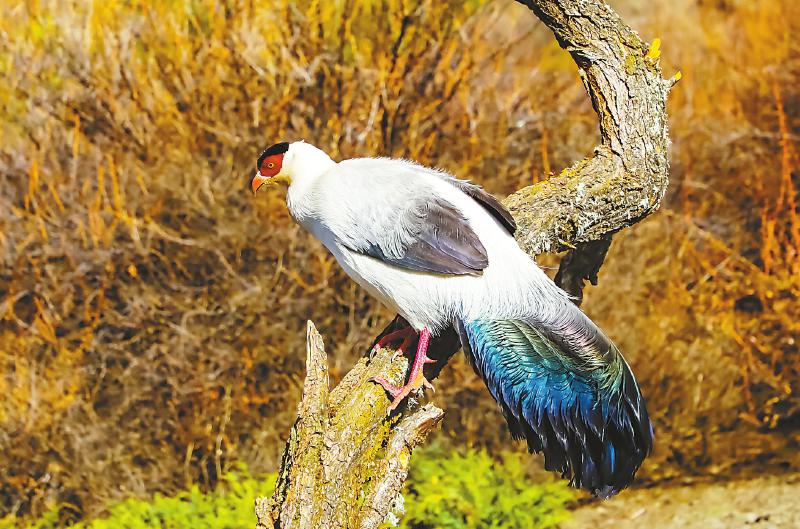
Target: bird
441, 252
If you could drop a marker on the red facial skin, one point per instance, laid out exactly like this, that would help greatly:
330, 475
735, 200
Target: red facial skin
270, 167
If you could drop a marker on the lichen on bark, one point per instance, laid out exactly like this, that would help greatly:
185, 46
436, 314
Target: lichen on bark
626, 177
346, 458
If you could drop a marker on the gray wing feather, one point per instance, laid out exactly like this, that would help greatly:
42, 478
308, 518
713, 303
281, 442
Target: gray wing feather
487, 201
392, 213
438, 239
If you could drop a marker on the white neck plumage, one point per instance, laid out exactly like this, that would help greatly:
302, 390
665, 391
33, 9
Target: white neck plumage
303, 164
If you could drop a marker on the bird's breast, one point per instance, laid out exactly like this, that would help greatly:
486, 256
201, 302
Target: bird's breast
422, 299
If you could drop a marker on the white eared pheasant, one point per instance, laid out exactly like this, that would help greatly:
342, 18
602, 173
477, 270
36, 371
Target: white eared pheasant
441, 252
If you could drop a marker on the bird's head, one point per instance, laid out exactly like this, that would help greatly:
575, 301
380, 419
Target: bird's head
269, 168
294, 162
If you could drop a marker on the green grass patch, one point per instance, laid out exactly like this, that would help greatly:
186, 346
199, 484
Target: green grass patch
446, 489
230, 506
472, 490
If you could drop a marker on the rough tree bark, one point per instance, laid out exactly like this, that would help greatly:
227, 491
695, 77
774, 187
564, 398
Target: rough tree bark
346, 460
626, 177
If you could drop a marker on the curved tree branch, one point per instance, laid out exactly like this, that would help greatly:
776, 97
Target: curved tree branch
625, 179
346, 460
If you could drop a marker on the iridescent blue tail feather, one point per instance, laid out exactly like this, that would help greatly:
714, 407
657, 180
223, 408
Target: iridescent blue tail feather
565, 388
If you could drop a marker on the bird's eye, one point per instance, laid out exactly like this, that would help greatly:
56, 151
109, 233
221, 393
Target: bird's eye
270, 165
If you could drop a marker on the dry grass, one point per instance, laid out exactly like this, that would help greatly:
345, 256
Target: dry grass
151, 311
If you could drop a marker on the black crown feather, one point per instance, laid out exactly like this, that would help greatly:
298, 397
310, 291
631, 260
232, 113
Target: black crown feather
278, 148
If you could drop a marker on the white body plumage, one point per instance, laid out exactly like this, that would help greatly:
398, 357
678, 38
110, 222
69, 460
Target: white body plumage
337, 202
440, 251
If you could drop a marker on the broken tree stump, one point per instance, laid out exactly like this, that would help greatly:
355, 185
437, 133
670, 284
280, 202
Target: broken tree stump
346, 459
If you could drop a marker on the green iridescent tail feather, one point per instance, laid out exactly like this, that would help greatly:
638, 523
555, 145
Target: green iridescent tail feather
565, 388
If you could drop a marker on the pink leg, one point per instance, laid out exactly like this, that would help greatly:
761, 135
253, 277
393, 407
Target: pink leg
416, 379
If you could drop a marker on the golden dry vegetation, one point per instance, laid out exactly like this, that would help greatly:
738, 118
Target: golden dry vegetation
151, 311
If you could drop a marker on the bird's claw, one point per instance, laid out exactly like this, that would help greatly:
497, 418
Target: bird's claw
399, 393
416, 379
373, 351
390, 388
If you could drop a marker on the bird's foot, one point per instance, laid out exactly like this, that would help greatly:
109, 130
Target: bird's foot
399, 393
416, 380
404, 336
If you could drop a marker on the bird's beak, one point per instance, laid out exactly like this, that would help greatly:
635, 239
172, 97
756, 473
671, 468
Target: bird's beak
258, 181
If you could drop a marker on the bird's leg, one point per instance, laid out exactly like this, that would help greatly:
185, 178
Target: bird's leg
416, 379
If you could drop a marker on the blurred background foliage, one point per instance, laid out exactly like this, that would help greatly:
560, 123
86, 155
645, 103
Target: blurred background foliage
152, 312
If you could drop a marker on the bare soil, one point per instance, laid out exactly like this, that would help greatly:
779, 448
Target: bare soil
771, 502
